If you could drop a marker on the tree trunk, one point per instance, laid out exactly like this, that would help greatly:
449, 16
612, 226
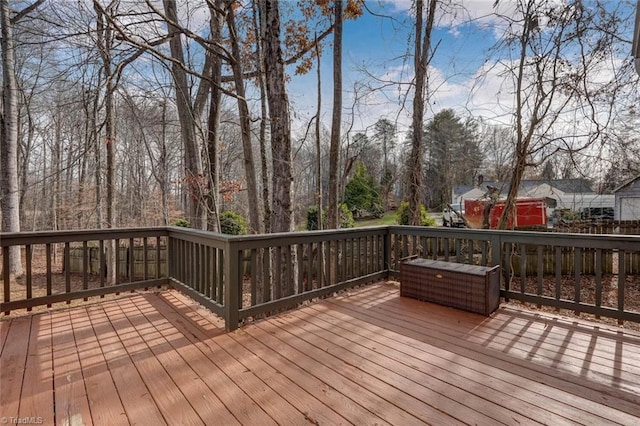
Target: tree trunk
421, 62
264, 172
282, 220
522, 141
104, 43
245, 124
318, 145
9, 190
213, 121
193, 163
336, 119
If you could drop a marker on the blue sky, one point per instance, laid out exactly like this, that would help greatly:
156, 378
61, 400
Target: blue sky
384, 47
464, 36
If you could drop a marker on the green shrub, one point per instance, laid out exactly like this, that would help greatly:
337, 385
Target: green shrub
232, 223
346, 218
183, 223
402, 215
362, 194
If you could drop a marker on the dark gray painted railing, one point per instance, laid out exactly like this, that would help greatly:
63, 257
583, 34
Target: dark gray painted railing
584, 273
60, 284
251, 276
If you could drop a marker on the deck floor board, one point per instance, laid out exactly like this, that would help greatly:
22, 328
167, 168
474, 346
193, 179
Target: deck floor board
367, 356
38, 376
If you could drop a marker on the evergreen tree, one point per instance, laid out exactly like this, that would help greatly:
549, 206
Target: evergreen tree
362, 193
453, 155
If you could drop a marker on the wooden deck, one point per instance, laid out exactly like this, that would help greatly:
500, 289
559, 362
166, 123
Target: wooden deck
366, 357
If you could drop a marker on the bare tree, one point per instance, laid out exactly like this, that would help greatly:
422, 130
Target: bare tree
245, 122
336, 117
421, 62
279, 118
186, 113
558, 106
9, 189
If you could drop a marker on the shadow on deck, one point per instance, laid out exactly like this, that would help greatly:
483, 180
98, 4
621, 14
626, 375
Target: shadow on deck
365, 357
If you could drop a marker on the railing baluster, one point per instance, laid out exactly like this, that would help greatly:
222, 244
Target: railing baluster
577, 270
337, 260
507, 267
300, 256
48, 272
558, 264
598, 271
67, 270
103, 264
288, 272
621, 282
523, 268
320, 264
131, 260
85, 268
343, 264
215, 293
201, 269
357, 267
268, 273
540, 270
278, 273
29, 260
310, 266
158, 260
6, 276
445, 247
484, 258
145, 259
117, 256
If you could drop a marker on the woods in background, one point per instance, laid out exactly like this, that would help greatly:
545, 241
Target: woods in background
138, 113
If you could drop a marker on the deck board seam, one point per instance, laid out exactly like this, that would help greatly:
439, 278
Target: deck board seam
166, 341
320, 315
562, 378
368, 364
205, 341
138, 366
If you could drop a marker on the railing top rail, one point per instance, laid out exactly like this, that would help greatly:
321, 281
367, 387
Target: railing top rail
345, 231
43, 237
287, 238
549, 238
605, 241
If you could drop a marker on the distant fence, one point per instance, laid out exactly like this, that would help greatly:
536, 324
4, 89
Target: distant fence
620, 227
131, 260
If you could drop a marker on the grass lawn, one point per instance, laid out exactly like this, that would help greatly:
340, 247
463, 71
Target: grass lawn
387, 219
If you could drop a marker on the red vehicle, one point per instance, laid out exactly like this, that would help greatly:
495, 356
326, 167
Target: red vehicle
529, 212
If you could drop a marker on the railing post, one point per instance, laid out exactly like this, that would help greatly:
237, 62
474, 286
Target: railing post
387, 251
232, 285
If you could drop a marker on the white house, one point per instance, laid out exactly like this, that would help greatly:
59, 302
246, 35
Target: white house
627, 200
572, 194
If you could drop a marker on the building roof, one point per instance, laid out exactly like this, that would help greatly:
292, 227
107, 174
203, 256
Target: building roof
572, 186
625, 184
569, 186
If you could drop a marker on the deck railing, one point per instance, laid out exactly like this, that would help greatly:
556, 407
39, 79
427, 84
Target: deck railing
246, 277
62, 266
592, 274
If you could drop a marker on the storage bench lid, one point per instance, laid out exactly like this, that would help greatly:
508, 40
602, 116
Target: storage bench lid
451, 266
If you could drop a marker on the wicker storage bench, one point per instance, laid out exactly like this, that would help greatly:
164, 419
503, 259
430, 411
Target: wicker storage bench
468, 287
